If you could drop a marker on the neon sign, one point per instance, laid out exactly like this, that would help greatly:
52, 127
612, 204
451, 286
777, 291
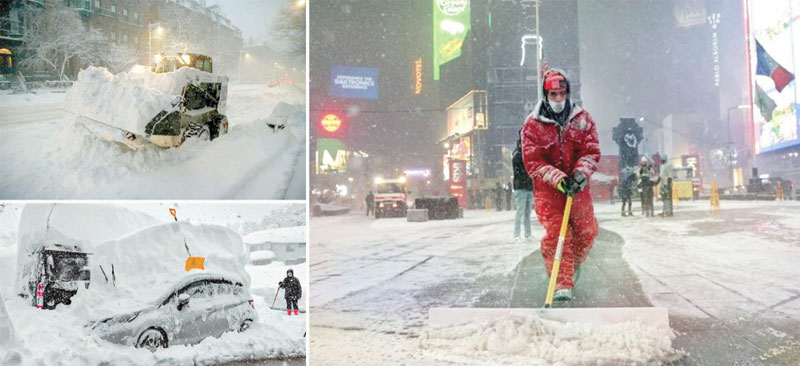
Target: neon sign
331, 122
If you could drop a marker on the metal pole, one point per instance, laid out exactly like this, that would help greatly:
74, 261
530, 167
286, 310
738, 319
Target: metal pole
149, 44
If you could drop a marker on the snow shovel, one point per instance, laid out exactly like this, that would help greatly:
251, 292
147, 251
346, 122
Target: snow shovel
650, 316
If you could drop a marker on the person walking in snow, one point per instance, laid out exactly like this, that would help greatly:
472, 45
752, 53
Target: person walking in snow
647, 184
643, 172
625, 191
508, 191
523, 194
370, 202
498, 196
560, 151
666, 198
292, 292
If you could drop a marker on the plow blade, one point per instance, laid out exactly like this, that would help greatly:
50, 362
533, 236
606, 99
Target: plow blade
651, 316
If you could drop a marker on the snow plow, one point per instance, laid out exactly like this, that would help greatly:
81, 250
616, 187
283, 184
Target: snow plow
180, 100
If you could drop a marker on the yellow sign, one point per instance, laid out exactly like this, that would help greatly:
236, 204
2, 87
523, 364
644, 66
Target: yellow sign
331, 123
683, 188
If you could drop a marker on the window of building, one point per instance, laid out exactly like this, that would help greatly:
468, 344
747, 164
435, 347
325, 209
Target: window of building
97, 4
136, 40
124, 12
113, 8
125, 38
136, 15
113, 36
289, 248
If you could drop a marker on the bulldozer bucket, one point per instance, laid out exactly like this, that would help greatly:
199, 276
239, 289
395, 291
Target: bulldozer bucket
651, 316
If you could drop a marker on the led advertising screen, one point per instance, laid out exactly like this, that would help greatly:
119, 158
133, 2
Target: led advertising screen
354, 82
451, 23
774, 56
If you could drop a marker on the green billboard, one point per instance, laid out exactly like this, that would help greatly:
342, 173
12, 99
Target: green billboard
450, 27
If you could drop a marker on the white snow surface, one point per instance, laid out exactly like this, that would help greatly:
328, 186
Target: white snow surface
535, 341
48, 153
731, 264
261, 255
128, 100
295, 234
149, 263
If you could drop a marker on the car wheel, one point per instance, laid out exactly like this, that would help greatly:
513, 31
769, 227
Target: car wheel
196, 130
152, 339
245, 325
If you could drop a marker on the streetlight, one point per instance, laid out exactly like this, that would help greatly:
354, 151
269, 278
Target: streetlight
246, 54
159, 30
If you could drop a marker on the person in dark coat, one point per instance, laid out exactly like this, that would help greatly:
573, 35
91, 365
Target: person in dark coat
666, 198
625, 190
523, 194
370, 201
508, 196
646, 184
292, 292
498, 197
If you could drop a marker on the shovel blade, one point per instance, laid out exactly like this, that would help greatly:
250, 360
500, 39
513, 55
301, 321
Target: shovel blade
195, 263
652, 316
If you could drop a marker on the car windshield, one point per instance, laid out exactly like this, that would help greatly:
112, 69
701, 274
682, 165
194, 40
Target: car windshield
390, 188
68, 268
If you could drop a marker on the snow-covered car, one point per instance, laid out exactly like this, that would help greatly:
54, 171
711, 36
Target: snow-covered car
200, 306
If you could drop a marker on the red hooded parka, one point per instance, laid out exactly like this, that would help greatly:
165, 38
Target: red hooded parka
551, 152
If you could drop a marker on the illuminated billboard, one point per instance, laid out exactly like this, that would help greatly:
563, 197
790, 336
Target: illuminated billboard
468, 113
354, 82
774, 57
331, 156
451, 24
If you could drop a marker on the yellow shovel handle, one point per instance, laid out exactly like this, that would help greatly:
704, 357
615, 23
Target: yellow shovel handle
551, 288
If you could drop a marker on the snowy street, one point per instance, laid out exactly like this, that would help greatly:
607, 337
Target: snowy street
149, 267
52, 154
728, 280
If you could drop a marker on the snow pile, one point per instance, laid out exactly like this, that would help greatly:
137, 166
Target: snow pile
540, 341
294, 234
149, 263
128, 100
262, 255
68, 341
84, 225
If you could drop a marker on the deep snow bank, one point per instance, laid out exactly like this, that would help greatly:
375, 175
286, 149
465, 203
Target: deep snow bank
84, 225
531, 340
293, 234
149, 263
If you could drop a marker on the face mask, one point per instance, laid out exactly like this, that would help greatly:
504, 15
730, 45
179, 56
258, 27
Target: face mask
558, 106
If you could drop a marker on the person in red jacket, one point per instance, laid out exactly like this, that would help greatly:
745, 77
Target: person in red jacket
560, 150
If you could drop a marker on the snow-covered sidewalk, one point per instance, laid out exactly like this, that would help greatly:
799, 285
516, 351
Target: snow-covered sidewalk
727, 279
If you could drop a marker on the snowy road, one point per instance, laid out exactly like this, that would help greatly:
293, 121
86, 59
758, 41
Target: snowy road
50, 154
729, 280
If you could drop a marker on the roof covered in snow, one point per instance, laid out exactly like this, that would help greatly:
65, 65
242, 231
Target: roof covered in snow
293, 234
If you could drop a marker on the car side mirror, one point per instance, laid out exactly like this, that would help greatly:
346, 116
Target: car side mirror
183, 300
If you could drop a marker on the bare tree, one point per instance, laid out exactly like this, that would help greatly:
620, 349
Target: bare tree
57, 36
290, 27
117, 58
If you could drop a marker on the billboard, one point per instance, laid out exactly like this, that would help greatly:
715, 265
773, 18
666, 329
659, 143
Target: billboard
458, 181
331, 156
451, 23
774, 57
354, 82
468, 113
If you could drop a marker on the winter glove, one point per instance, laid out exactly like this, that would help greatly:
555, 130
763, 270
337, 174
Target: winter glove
565, 186
579, 182
280, 283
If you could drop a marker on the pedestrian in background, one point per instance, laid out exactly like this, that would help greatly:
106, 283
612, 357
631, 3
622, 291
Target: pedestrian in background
523, 194
370, 202
292, 292
625, 191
